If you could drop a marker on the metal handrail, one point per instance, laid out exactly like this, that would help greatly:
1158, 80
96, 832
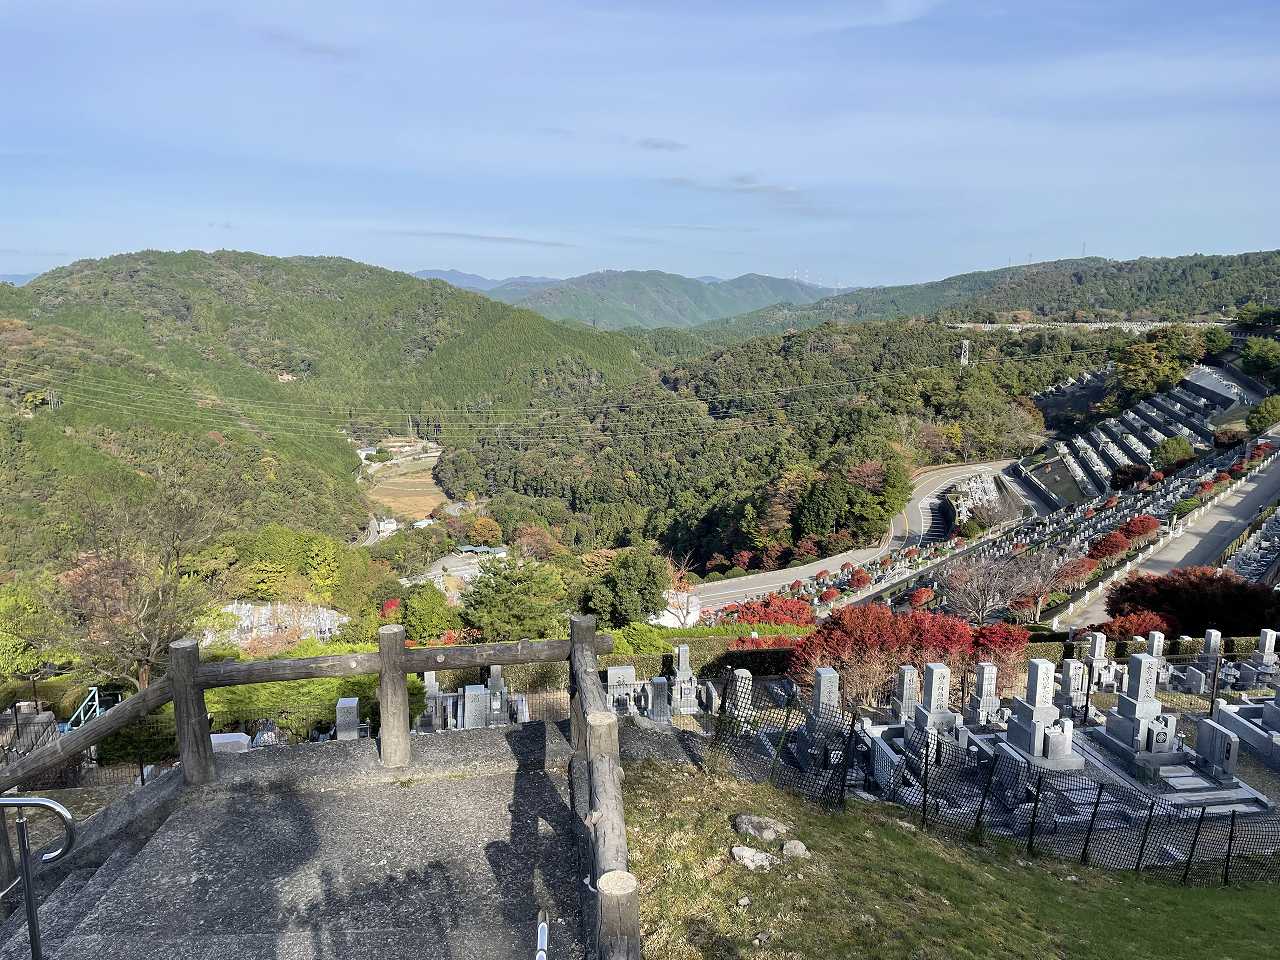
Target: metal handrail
24, 856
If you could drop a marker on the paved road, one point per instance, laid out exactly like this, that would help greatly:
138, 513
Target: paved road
1204, 540
907, 529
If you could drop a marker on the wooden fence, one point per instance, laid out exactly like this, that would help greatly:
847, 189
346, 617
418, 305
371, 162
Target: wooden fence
593, 729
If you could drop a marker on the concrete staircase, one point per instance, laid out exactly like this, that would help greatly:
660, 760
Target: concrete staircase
315, 851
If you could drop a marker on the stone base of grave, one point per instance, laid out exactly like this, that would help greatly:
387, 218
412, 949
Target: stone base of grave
1059, 764
1142, 764
1247, 721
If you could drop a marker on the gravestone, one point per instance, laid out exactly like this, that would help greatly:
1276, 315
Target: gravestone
709, 697
269, 735
1105, 673
1260, 669
934, 711
906, 694
1036, 730
1218, 749
684, 686
1155, 644
1072, 693
497, 688
475, 706
430, 685
657, 700
1137, 729
622, 689
347, 720
984, 706
739, 693
824, 717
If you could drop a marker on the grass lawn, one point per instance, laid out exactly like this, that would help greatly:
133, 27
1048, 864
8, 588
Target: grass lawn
877, 887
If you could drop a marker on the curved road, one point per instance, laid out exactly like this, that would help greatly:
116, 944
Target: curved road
907, 529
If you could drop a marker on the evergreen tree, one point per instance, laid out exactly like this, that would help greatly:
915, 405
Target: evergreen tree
633, 589
427, 614
513, 600
1170, 452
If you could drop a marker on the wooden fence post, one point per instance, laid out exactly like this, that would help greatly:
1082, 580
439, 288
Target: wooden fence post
582, 634
393, 696
619, 893
190, 715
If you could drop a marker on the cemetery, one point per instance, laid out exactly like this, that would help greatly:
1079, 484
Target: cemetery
1090, 763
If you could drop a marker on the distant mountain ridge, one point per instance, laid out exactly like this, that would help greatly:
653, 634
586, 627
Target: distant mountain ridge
17, 279
473, 281
617, 299
1091, 288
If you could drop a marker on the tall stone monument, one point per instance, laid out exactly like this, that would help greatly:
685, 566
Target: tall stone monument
906, 694
934, 711
984, 708
1036, 731
1137, 729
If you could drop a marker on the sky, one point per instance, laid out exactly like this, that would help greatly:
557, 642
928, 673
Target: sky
859, 142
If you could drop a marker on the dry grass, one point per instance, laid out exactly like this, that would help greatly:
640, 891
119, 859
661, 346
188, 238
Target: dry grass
878, 888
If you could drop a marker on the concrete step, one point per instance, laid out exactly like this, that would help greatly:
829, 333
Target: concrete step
431, 865
58, 913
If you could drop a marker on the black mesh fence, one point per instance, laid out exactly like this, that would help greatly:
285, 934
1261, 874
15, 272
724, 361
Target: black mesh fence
134, 754
768, 734
771, 732
1083, 816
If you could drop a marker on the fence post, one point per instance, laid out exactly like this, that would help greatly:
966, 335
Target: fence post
1035, 811
619, 934
582, 630
1088, 834
393, 697
1231, 842
982, 804
1146, 832
8, 867
782, 737
190, 715
850, 746
924, 783
1195, 842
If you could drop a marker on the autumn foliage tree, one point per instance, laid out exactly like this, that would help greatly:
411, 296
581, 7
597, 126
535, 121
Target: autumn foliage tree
1194, 599
867, 644
919, 597
1109, 546
771, 610
1136, 624
1141, 528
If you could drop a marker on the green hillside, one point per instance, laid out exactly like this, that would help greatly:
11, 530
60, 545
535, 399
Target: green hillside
614, 299
256, 376
1081, 290
779, 449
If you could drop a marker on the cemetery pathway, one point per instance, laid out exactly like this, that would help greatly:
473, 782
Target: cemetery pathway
315, 851
1204, 539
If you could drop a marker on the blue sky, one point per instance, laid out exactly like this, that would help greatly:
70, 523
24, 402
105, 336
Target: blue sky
867, 141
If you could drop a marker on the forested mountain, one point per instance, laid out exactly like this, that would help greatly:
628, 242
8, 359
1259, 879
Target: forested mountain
779, 449
613, 299
473, 281
1075, 290
253, 376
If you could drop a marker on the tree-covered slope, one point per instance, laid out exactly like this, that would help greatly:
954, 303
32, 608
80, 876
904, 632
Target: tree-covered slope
613, 299
256, 376
778, 449
1082, 290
